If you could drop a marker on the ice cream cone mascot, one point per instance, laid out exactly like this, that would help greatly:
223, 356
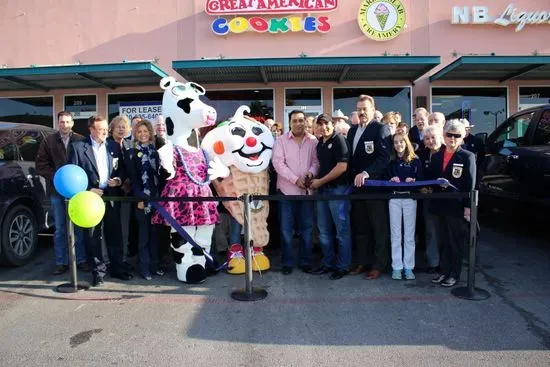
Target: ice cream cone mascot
244, 147
188, 168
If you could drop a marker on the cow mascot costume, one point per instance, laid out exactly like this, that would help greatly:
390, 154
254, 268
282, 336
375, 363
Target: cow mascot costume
187, 167
244, 147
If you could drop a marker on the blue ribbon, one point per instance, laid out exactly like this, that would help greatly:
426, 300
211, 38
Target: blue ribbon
438, 182
382, 183
164, 213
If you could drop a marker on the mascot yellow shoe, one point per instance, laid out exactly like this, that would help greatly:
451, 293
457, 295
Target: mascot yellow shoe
235, 259
260, 262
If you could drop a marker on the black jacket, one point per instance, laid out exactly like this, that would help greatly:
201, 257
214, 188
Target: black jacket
461, 173
81, 153
52, 154
414, 137
373, 151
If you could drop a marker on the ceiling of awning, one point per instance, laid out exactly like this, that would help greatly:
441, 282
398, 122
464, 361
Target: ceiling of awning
499, 68
112, 76
305, 69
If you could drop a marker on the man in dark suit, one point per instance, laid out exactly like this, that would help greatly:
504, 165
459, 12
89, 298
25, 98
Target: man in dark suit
103, 162
370, 142
415, 133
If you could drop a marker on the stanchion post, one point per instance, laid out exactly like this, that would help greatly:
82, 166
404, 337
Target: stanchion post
74, 286
470, 292
249, 293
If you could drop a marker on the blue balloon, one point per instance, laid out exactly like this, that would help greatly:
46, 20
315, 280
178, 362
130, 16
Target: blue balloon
69, 180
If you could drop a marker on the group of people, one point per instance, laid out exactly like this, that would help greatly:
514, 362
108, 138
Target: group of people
120, 158
375, 149
321, 156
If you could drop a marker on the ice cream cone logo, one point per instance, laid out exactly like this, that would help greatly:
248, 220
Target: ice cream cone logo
382, 12
381, 20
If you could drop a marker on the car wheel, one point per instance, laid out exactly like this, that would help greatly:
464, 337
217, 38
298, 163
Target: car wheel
19, 236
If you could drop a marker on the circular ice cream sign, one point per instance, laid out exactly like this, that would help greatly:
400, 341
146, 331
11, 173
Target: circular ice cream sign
381, 20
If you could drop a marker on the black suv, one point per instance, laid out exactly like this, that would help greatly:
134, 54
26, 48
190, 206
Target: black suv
516, 167
24, 202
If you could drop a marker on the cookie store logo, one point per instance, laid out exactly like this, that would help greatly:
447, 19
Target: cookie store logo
381, 20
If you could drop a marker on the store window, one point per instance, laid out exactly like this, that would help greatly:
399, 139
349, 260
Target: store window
533, 96
28, 110
226, 102
483, 107
146, 105
386, 99
81, 107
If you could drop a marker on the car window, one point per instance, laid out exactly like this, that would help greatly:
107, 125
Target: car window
8, 150
542, 133
28, 142
511, 134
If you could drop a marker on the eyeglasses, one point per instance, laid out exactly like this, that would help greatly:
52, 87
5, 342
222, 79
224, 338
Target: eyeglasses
451, 135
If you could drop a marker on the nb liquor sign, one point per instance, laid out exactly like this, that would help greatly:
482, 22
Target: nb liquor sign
292, 23
510, 16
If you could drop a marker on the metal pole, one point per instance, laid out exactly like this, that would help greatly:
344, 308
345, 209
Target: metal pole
249, 293
74, 286
247, 248
473, 242
470, 292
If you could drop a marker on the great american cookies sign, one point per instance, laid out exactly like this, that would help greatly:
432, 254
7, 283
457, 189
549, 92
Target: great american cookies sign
240, 16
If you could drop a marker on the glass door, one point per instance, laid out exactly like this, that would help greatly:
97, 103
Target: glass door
308, 100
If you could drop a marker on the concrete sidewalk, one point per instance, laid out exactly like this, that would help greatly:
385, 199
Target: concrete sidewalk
305, 321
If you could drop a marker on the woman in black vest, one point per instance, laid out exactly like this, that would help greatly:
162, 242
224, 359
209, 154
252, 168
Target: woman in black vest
458, 166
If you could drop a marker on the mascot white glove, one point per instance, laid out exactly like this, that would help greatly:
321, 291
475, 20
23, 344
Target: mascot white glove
166, 155
217, 169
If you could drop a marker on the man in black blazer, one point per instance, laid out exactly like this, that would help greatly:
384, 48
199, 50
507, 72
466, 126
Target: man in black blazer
415, 133
370, 143
102, 161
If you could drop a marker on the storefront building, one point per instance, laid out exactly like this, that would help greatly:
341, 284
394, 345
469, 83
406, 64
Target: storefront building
482, 60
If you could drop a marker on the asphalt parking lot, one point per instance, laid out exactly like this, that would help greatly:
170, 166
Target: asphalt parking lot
305, 321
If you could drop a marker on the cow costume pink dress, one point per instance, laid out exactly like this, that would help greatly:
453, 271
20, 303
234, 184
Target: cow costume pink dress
189, 176
188, 213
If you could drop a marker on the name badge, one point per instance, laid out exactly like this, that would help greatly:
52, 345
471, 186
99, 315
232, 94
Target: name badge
457, 170
115, 163
369, 147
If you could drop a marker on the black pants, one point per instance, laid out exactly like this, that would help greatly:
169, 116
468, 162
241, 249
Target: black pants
370, 222
452, 236
110, 224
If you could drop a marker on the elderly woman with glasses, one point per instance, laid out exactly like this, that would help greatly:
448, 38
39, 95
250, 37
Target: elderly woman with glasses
433, 143
459, 168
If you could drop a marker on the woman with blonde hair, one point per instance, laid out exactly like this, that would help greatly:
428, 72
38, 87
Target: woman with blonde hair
144, 170
404, 167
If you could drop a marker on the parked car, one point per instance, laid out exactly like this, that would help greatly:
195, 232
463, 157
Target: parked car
516, 167
24, 203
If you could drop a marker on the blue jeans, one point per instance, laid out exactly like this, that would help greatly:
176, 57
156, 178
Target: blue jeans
235, 229
296, 215
60, 236
334, 214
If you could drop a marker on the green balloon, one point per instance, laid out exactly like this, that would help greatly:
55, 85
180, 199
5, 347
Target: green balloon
86, 209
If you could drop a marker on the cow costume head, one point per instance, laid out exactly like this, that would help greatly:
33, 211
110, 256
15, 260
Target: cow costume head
183, 110
240, 142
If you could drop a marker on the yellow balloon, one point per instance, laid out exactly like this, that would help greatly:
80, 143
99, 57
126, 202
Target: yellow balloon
86, 209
